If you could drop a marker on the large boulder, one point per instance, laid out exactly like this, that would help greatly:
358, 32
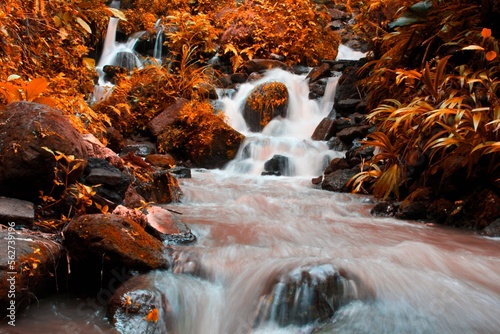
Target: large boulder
29, 265
100, 243
25, 167
264, 103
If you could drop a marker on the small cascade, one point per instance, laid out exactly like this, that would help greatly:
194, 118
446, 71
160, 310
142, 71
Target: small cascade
115, 54
159, 42
289, 137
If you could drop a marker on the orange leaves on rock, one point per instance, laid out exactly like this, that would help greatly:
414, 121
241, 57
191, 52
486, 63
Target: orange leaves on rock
152, 315
486, 32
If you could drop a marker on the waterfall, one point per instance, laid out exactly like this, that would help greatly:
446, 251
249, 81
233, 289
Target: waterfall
116, 54
289, 137
159, 42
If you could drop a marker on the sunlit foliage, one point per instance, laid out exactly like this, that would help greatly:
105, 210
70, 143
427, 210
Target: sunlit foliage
138, 98
194, 131
435, 89
52, 40
294, 30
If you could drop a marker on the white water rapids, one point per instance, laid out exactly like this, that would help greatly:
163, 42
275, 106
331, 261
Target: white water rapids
412, 277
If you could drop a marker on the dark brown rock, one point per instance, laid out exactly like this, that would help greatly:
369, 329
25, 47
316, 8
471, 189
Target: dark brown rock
258, 65
116, 142
115, 239
134, 300
307, 295
25, 167
16, 210
102, 246
159, 187
167, 227
347, 135
166, 117
323, 71
37, 263
161, 160
324, 130
337, 180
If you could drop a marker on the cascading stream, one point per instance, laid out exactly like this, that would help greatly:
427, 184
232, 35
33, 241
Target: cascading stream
274, 254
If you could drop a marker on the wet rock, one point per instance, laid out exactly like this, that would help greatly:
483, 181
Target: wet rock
16, 210
259, 65
317, 180
355, 153
167, 226
132, 302
337, 180
239, 77
384, 209
132, 199
97, 150
278, 165
181, 172
157, 186
345, 107
415, 205
324, 130
306, 295
110, 184
111, 71
329, 127
38, 261
492, 230
98, 244
477, 211
166, 117
347, 135
336, 144
336, 164
317, 90
139, 148
323, 71
264, 103
25, 167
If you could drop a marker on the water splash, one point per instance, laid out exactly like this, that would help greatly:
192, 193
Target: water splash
290, 136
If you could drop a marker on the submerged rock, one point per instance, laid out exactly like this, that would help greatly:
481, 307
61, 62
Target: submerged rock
167, 227
306, 295
279, 165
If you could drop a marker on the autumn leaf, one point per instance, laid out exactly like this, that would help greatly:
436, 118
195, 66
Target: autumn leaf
490, 55
84, 25
152, 315
486, 32
35, 87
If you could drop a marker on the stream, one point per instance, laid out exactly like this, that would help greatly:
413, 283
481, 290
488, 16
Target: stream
256, 232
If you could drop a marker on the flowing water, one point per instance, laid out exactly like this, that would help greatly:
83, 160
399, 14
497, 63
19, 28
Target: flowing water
253, 230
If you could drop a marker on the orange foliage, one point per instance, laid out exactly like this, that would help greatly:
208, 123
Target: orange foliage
295, 30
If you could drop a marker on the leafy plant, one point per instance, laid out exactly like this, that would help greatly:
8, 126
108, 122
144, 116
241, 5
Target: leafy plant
66, 191
17, 90
137, 98
297, 31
